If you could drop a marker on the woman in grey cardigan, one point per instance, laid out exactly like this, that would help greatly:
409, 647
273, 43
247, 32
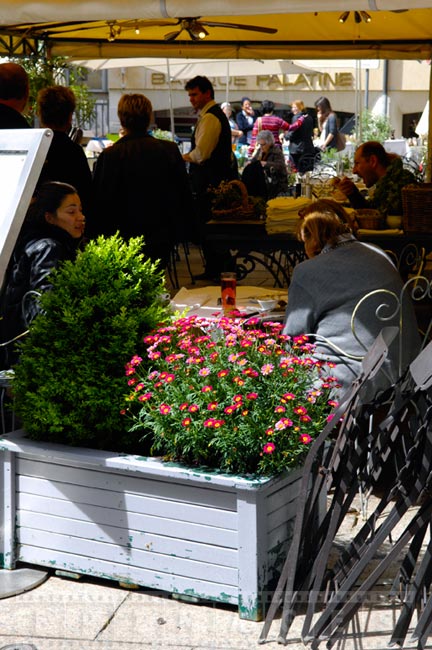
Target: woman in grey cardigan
326, 288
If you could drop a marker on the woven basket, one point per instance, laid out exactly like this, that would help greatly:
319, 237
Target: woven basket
417, 208
243, 211
369, 219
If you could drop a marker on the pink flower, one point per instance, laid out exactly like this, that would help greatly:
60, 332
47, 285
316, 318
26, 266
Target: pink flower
207, 389
193, 408
165, 409
269, 447
280, 409
305, 438
300, 410
186, 422
204, 372
212, 406
252, 396
145, 397
267, 369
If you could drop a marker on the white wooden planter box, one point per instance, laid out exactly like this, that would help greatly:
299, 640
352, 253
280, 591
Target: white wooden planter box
138, 520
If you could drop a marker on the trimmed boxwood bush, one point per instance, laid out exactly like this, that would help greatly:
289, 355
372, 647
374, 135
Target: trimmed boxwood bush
69, 384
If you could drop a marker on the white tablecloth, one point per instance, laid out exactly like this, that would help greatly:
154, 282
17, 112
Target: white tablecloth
400, 147
204, 300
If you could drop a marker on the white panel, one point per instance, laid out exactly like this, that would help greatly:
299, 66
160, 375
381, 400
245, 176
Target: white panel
84, 548
144, 577
128, 521
130, 502
137, 539
208, 495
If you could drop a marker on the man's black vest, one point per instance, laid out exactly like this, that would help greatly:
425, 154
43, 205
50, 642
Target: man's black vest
217, 168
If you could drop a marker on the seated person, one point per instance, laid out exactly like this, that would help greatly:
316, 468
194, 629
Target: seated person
266, 175
52, 230
326, 288
377, 167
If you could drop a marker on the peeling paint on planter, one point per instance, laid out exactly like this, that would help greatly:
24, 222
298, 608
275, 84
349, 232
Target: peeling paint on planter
139, 520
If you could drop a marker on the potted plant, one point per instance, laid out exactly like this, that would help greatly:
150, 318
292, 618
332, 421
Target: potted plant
231, 413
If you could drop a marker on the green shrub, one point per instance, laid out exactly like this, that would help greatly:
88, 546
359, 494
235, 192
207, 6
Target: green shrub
69, 384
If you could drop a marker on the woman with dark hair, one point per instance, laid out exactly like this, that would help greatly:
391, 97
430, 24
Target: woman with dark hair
245, 120
326, 288
52, 230
327, 124
268, 121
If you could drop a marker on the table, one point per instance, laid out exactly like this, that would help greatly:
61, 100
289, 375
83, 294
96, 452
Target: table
205, 301
249, 244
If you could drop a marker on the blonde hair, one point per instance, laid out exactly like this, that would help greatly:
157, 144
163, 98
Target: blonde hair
300, 105
134, 111
323, 222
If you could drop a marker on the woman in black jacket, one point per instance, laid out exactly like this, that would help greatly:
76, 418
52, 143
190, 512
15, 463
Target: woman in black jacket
52, 230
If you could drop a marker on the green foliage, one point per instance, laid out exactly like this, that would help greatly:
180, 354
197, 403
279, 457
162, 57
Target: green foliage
68, 384
374, 127
45, 72
229, 395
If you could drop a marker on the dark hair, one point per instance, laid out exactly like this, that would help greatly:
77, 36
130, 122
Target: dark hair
134, 111
202, 83
14, 82
55, 105
244, 99
48, 198
374, 148
324, 105
267, 106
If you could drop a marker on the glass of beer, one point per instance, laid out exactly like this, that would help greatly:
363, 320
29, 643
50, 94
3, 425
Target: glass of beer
228, 291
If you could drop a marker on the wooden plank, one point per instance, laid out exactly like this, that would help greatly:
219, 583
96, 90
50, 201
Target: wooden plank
138, 465
126, 537
184, 512
252, 555
133, 521
164, 489
7, 510
145, 577
77, 548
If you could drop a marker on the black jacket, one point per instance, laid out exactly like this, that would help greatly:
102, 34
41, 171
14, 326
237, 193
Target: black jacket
141, 187
243, 125
36, 254
67, 162
11, 119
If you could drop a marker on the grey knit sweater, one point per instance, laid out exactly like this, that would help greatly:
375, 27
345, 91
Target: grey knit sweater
323, 294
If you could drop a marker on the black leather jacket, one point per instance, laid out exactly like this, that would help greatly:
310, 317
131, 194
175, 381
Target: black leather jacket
36, 253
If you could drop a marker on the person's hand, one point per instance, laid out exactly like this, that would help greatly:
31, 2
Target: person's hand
346, 186
323, 147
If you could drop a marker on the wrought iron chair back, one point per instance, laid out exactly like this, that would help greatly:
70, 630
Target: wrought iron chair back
335, 594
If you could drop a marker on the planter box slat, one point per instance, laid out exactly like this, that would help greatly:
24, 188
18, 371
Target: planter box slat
129, 521
132, 483
125, 537
121, 500
98, 568
129, 556
164, 526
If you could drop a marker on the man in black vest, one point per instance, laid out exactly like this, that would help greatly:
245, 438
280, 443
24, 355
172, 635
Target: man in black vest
14, 93
210, 157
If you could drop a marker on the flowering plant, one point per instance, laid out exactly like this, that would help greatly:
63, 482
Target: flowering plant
229, 395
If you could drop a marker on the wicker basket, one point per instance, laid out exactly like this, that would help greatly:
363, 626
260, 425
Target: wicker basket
243, 211
417, 208
369, 219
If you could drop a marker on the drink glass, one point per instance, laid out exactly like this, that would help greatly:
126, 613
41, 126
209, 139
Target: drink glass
228, 291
